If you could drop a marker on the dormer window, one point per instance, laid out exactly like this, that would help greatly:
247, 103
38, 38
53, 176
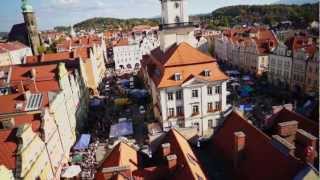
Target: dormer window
177, 76
207, 72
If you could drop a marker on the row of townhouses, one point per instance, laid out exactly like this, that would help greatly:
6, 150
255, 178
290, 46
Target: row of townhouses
41, 110
293, 64
44, 101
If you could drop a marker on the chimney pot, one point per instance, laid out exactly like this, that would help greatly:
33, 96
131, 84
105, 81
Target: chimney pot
288, 130
165, 149
239, 145
172, 161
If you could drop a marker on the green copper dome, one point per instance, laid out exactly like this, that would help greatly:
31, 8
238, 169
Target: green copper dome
26, 7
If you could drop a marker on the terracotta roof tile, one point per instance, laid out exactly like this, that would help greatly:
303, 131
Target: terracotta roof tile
303, 122
8, 140
182, 59
262, 160
122, 42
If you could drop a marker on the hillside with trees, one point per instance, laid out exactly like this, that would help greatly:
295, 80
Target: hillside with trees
299, 15
113, 23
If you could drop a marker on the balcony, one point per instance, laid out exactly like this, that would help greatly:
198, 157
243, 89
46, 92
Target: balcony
176, 25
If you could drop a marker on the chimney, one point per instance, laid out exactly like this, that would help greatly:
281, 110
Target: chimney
33, 73
165, 149
74, 54
239, 145
42, 57
172, 162
287, 130
306, 146
283, 145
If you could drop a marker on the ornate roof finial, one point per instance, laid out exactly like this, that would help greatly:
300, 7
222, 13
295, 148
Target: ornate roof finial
26, 7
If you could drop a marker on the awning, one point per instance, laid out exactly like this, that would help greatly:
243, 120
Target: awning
71, 171
77, 158
83, 142
121, 129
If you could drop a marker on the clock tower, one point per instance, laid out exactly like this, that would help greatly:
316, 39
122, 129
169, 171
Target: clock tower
175, 26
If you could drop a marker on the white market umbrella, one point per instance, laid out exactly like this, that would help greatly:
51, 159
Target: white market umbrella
71, 171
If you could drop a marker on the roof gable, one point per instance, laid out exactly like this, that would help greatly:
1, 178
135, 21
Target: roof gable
184, 54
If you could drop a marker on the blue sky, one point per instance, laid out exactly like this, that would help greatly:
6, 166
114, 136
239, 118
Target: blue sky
52, 13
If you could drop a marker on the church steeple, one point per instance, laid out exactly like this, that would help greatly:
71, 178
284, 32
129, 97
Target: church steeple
31, 25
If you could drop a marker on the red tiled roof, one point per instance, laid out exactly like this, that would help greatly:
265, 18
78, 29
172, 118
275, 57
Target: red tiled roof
298, 42
8, 140
188, 166
122, 42
303, 122
11, 46
84, 41
182, 59
262, 160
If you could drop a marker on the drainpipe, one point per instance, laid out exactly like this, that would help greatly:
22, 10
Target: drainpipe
201, 118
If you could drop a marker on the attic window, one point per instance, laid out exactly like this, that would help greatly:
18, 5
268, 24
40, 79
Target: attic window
7, 123
177, 76
207, 72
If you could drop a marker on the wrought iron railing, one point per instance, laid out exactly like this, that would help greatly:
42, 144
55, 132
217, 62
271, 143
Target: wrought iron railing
175, 25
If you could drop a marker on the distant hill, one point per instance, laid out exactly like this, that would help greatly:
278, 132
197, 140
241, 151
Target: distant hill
265, 14
298, 2
101, 23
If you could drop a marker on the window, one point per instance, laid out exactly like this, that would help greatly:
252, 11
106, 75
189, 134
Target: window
218, 106
179, 95
218, 89
209, 90
177, 76
195, 110
206, 72
179, 110
171, 112
194, 93
210, 107
170, 96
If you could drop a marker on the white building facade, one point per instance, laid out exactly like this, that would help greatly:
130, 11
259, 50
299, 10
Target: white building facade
280, 65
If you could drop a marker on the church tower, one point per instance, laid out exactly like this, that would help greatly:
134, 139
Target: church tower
175, 26
31, 25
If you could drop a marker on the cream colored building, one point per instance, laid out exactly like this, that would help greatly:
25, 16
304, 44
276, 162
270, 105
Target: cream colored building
312, 74
280, 65
43, 153
12, 53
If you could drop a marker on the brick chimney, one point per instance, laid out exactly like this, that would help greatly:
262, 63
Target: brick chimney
33, 73
306, 146
42, 57
74, 54
287, 130
239, 146
172, 162
165, 149
283, 145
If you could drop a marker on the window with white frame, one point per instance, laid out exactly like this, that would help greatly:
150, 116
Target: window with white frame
179, 95
195, 109
171, 112
170, 96
194, 93
218, 90
209, 89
